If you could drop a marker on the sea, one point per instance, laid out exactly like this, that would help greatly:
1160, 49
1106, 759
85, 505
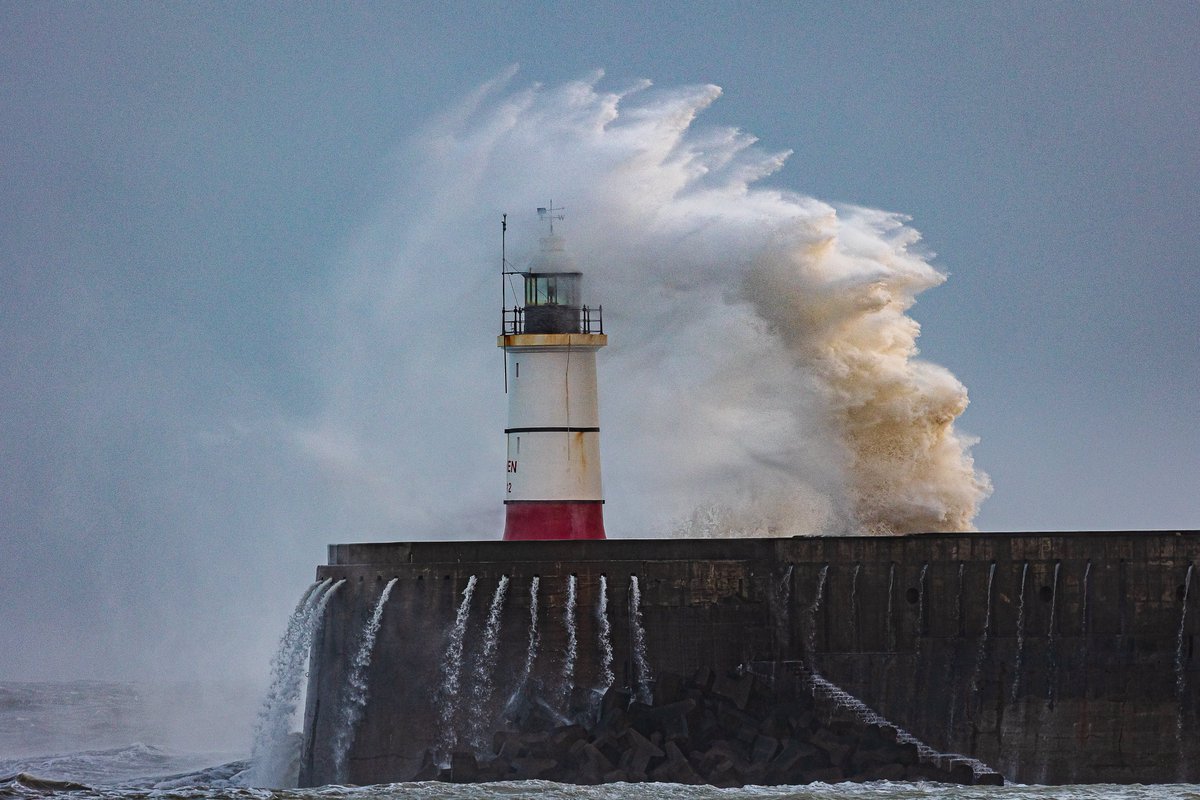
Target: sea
91, 739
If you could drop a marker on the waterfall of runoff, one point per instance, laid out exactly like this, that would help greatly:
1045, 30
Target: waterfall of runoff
531, 648
779, 601
891, 635
1051, 660
354, 696
604, 637
642, 676
919, 625
955, 687
1016, 684
448, 694
983, 638
275, 753
1180, 675
485, 668
572, 649
918, 628
1087, 590
811, 638
958, 604
854, 602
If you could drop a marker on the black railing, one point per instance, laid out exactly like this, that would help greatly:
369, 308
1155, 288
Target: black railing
514, 321
591, 320
565, 320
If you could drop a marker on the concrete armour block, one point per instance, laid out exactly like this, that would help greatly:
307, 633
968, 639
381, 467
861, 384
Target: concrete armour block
463, 768
763, 749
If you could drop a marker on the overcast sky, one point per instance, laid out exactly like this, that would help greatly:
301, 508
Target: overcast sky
186, 191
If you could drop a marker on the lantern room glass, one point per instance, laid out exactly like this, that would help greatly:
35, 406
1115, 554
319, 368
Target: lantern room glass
552, 289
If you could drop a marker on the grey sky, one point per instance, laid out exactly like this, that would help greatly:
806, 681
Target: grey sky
183, 187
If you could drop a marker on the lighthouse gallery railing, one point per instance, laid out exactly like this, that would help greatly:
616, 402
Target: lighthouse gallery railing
589, 320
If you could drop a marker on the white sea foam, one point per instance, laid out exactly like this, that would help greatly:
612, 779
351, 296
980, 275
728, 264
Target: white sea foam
219, 789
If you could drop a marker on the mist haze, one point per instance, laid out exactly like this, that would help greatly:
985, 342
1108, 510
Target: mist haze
250, 268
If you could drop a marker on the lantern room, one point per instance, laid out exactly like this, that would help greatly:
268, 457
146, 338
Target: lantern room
552, 302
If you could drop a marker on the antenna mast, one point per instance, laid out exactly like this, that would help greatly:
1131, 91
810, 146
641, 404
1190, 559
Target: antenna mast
503, 289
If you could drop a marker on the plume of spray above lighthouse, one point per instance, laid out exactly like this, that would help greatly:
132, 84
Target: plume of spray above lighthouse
762, 375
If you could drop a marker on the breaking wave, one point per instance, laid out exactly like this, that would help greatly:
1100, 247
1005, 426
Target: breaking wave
762, 375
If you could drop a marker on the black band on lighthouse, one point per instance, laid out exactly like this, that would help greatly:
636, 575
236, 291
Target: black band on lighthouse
555, 502
551, 430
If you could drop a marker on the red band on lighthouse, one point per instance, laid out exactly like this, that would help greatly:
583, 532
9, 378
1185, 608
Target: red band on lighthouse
532, 520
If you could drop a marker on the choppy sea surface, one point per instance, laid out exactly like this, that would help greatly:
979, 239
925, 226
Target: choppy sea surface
116, 740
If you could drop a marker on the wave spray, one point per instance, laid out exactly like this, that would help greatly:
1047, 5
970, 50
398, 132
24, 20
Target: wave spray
778, 321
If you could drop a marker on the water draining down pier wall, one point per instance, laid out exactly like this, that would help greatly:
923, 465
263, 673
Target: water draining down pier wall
1052, 658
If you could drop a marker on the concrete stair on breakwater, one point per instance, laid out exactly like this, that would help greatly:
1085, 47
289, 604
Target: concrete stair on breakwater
723, 730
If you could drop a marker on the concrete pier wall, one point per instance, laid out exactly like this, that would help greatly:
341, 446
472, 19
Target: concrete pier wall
1076, 680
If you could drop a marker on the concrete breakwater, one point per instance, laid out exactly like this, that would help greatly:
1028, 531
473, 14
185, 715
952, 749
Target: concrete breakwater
1051, 658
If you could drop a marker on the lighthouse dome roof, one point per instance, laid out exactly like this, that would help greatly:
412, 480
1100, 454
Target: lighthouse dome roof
552, 256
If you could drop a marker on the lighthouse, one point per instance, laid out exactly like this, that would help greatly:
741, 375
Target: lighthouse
550, 339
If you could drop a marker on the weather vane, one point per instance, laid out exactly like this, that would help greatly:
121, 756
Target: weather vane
549, 214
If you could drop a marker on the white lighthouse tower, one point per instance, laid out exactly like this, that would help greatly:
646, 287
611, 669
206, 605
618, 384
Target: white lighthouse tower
550, 341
